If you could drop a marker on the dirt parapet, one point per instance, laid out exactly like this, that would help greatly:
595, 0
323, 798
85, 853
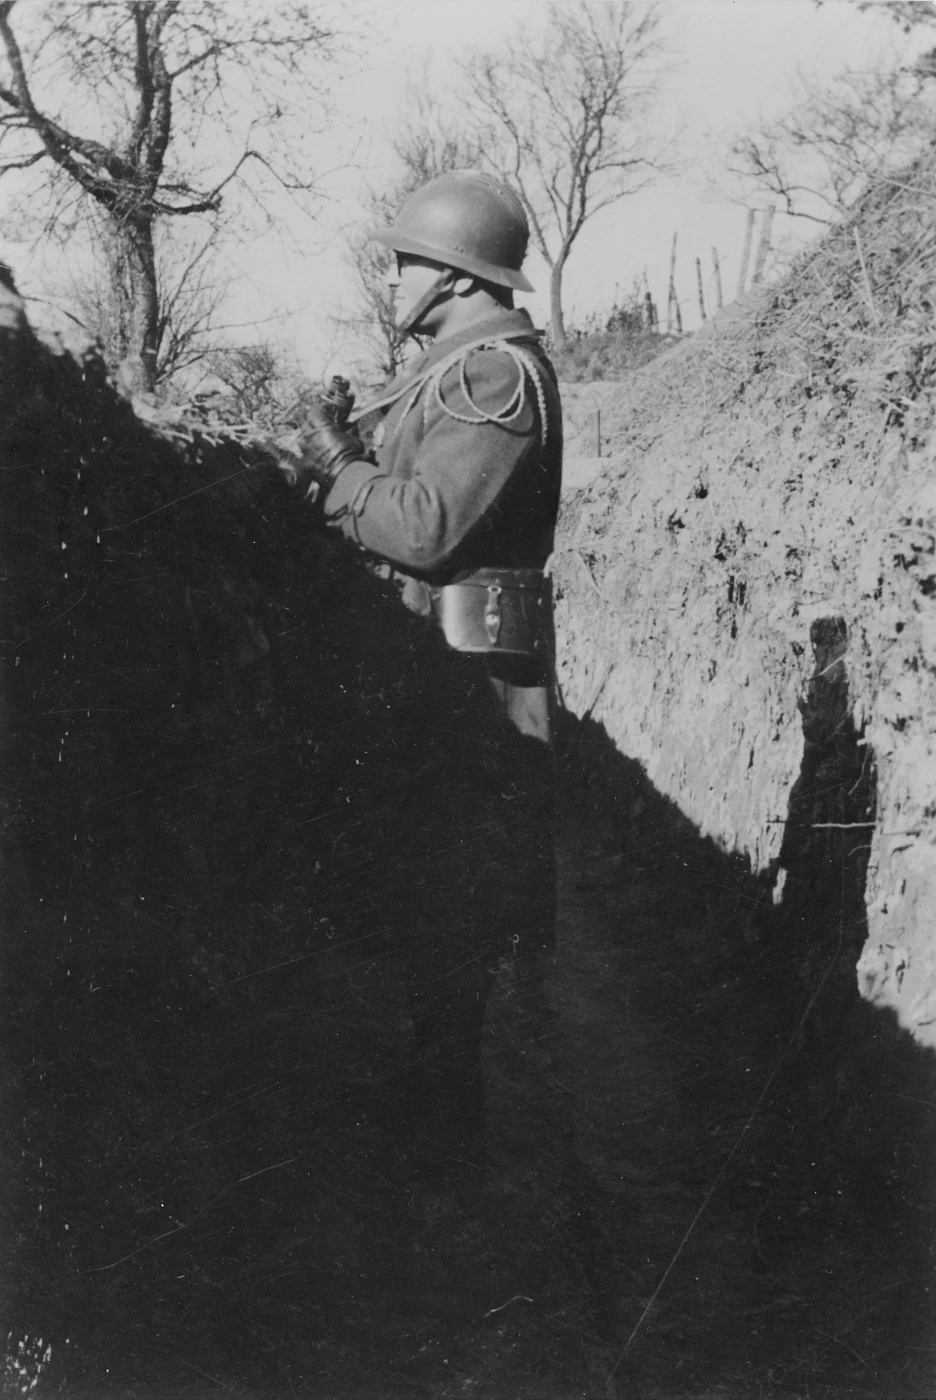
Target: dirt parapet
191, 743
773, 473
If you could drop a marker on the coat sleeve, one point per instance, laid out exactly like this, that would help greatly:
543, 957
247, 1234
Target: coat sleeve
458, 470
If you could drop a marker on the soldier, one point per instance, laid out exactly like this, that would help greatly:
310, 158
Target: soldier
459, 501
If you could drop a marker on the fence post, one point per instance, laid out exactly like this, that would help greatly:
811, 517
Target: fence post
698, 273
671, 299
745, 256
763, 248
717, 269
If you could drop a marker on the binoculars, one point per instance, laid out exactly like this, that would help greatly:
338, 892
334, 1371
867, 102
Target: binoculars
338, 400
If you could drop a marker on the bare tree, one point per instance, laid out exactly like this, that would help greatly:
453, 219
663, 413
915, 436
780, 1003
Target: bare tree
190, 293
261, 382
839, 137
835, 139
126, 103
563, 115
98, 294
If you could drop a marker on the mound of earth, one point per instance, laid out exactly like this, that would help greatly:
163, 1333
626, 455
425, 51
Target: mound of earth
765, 509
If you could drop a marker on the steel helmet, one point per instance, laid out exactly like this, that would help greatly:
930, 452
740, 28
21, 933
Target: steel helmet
468, 220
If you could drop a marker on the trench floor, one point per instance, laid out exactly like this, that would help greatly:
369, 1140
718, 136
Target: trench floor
697, 1181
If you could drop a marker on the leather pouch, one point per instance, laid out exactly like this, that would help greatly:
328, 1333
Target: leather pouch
494, 610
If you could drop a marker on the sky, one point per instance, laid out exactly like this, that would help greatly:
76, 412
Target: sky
732, 62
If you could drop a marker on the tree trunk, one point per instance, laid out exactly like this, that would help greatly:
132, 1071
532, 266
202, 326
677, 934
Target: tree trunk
144, 305
560, 339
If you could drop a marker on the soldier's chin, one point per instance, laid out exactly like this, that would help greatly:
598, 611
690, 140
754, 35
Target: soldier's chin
405, 328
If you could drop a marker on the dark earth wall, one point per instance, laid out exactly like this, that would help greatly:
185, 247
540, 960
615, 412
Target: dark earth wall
212, 718
193, 808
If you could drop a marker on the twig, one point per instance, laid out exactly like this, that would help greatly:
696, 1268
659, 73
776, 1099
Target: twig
517, 1298
817, 675
892, 831
841, 826
591, 577
586, 714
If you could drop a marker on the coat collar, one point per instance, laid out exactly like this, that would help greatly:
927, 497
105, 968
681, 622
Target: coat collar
510, 325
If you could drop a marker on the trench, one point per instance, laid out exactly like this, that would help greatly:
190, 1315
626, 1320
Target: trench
211, 1198
705, 1166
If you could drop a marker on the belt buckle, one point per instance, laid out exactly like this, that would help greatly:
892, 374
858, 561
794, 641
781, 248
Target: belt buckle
492, 613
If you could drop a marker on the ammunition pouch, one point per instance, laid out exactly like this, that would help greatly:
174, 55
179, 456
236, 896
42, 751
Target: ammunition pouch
505, 611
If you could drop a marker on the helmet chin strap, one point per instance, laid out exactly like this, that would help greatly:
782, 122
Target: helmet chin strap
442, 284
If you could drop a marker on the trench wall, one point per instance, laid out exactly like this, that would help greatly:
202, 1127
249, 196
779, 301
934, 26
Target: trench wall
184, 656
171, 621
768, 485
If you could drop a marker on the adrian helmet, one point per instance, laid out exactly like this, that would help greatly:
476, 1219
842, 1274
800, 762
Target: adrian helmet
467, 220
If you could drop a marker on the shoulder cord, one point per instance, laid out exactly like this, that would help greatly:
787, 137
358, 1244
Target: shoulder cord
510, 411
387, 399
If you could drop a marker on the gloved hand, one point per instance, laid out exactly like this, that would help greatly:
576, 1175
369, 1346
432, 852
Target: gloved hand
324, 451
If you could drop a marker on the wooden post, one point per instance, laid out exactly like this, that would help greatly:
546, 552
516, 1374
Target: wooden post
671, 295
597, 432
716, 266
698, 273
745, 256
763, 248
649, 306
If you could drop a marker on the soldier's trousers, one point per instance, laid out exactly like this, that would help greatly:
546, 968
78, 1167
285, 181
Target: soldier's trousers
478, 812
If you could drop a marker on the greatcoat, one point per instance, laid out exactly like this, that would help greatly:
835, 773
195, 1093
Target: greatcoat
467, 476
469, 467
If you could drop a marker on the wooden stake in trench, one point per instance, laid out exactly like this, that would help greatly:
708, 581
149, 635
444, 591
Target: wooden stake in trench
763, 247
716, 267
698, 273
650, 310
673, 313
745, 256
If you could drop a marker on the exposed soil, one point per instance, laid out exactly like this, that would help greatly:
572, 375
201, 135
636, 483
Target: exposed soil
770, 472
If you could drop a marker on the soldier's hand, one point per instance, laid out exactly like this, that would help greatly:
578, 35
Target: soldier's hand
324, 450
283, 448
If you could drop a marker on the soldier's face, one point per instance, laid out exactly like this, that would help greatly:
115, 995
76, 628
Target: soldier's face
410, 278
